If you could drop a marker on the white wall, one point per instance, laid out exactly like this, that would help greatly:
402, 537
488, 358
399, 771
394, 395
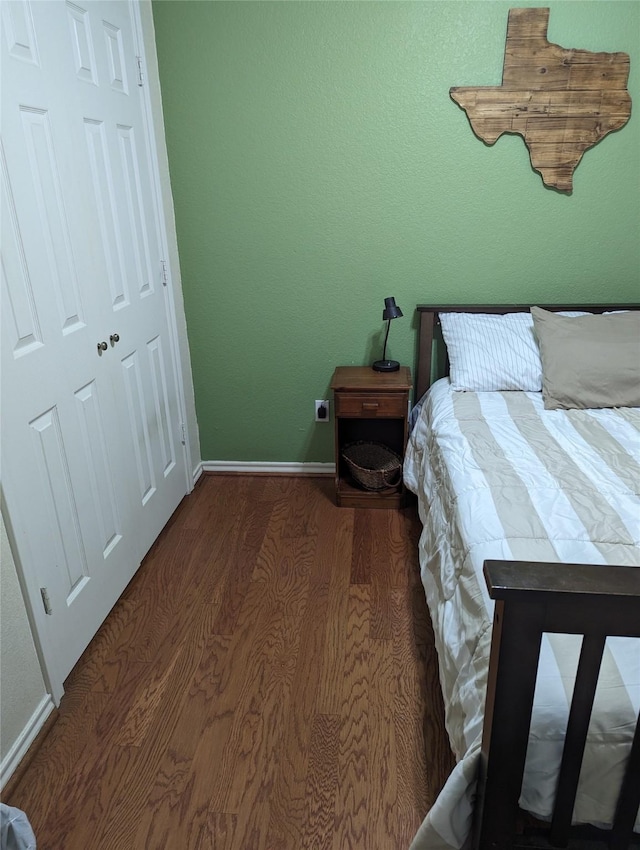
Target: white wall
23, 695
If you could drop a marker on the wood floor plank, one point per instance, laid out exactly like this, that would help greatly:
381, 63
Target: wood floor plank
289, 797
401, 552
230, 743
249, 761
322, 784
217, 832
238, 563
382, 791
363, 539
47, 781
199, 739
299, 519
338, 556
351, 815
381, 580
109, 654
417, 686
147, 703
267, 681
408, 717
125, 775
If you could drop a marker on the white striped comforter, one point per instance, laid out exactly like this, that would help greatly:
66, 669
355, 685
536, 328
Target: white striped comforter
497, 476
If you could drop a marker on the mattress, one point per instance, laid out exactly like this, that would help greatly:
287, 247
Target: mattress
499, 477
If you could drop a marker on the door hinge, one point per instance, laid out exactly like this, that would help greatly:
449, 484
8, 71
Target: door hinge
165, 276
184, 434
46, 601
140, 70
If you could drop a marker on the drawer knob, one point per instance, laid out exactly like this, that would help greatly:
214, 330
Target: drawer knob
370, 405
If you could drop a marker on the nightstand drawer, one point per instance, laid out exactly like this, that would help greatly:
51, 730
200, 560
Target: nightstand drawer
370, 406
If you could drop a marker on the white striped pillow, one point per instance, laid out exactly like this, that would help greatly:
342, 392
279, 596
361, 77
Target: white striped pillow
491, 352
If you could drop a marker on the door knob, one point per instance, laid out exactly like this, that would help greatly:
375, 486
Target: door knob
114, 338
102, 346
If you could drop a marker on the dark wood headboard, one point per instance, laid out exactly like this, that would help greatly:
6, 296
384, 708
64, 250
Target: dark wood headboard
429, 327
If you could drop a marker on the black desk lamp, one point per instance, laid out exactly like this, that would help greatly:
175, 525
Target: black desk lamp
391, 311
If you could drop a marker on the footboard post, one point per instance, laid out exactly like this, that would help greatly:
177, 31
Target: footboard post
530, 599
507, 720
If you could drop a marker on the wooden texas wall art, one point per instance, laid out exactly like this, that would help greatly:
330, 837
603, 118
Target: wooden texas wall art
562, 102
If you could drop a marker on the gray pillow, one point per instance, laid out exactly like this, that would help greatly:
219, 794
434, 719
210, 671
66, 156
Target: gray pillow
589, 361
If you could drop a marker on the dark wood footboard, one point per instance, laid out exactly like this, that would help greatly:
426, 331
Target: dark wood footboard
532, 598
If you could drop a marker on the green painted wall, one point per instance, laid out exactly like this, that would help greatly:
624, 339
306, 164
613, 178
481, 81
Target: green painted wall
319, 165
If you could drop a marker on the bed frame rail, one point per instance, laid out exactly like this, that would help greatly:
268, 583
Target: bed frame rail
532, 598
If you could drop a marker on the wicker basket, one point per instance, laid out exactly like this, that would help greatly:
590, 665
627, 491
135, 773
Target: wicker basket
373, 465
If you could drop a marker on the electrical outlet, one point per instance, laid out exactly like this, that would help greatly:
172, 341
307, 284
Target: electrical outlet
322, 410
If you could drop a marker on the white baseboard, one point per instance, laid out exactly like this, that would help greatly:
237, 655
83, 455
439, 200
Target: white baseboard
28, 735
197, 472
263, 467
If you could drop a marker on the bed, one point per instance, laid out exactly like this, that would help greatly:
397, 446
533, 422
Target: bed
529, 499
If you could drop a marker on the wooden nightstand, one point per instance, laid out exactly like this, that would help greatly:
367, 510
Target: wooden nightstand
372, 406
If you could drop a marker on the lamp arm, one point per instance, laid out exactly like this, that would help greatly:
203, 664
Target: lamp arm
386, 337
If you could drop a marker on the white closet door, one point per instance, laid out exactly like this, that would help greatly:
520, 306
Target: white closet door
92, 462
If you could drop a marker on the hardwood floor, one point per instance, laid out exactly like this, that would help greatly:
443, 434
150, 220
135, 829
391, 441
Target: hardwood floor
266, 682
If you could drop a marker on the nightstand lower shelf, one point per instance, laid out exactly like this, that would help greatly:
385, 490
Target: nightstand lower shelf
349, 495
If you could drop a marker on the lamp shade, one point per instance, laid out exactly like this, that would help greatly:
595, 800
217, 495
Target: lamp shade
391, 309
